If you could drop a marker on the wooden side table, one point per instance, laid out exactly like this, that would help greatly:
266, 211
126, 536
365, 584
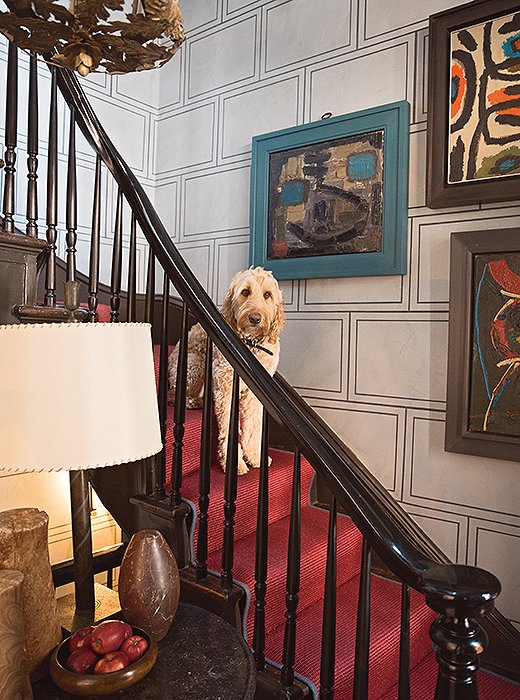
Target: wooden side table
201, 658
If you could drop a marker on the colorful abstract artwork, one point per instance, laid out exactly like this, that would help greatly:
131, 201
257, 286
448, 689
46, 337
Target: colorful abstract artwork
483, 386
494, 400
484, 118
330, 198
326, 199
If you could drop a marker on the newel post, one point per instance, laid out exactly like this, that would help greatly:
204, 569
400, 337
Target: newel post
460, 594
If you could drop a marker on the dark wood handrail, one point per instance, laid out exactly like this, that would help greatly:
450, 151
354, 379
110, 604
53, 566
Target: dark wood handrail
388, 529
340, 468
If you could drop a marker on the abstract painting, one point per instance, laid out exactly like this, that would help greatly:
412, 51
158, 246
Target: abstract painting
485, 100
474, 104
494, 404
329, 198
483, 396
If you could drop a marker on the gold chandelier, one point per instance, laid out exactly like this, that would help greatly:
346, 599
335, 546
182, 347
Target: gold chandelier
117, 36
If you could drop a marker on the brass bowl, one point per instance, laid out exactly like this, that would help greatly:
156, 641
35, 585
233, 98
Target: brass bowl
96, 685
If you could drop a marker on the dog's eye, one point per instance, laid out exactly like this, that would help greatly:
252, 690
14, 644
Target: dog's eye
267, 295
245, 292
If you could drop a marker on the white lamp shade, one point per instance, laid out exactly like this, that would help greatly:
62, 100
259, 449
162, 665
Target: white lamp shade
76, 396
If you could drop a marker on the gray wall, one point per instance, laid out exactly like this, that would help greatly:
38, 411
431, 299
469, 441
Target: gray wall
368, 353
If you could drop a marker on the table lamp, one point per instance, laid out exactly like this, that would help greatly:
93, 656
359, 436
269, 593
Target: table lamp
77, 396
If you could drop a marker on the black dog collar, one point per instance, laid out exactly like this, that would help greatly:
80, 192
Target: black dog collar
253, 344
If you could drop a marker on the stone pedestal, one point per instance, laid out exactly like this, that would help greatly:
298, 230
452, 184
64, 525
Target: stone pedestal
24, 547
149, 583
14, 676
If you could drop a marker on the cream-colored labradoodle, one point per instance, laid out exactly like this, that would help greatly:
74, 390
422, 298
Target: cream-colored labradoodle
253, 307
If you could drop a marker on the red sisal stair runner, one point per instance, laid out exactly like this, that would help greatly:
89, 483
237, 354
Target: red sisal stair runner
385, 603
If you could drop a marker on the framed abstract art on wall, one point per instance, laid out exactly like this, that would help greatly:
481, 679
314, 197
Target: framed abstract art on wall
330, 198
474, 104
483, 407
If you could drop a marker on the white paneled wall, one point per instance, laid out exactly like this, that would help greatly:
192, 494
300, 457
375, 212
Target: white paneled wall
370, 352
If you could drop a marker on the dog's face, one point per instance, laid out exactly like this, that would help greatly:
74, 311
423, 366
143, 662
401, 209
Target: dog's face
254, 305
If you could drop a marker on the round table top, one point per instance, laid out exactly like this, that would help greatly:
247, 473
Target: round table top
201, 658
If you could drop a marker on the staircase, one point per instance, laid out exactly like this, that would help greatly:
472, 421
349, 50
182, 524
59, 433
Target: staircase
298, 579
386, 594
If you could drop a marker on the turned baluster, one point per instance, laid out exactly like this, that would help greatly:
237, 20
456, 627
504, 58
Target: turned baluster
153, 475
117, 261
404, 645
201, 566
71, 207
360, 691
179, 411
149, 304
31, 228
162, 397
131, 311
52, 195
230, 488
93, 287
11, 127
328, 634
460, 594
292, 586
262, 525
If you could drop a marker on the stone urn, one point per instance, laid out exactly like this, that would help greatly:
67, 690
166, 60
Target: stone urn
14, 675
149, 584
24, 548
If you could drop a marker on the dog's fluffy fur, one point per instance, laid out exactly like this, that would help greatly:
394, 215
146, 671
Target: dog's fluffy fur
253, 307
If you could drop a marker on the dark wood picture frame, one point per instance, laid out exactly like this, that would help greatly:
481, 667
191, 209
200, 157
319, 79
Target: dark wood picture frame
459, 438
440, 192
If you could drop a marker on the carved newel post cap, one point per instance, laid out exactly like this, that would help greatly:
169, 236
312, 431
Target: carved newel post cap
466, 590
149, 583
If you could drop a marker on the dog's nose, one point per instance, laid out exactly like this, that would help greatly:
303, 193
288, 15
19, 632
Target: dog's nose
254, 319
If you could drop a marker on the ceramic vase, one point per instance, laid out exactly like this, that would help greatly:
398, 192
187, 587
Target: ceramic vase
149, 584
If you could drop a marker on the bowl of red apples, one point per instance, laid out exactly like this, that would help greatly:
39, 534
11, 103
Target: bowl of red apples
102, 659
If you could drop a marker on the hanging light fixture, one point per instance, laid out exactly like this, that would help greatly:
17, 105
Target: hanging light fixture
116, 36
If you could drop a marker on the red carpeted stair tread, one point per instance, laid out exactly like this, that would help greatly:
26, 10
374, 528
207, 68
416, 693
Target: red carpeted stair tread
424, 676
385, 618
280, 482
313, 533
385, 610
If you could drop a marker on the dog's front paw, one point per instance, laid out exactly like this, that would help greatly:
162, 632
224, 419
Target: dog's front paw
255, 461
242, 467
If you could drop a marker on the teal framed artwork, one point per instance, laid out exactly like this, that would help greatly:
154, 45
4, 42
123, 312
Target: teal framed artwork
330, 198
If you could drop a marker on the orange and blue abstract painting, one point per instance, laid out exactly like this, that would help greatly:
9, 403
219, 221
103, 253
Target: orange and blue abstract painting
327, 198
494, 401
484, 134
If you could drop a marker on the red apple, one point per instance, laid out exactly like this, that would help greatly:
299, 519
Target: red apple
128, 630
80, 639
107, 636
134, 647
82, 661
113, 661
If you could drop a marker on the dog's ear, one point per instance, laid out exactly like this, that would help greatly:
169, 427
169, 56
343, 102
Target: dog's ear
278, 321
227, 306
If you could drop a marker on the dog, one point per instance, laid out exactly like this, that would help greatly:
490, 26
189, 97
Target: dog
253, 307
